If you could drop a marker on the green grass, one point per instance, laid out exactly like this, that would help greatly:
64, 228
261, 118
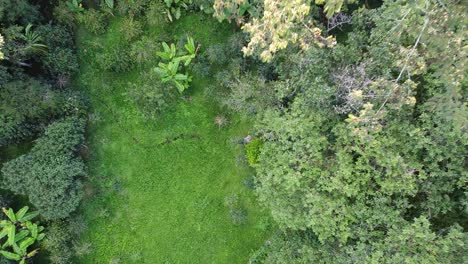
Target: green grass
155, 202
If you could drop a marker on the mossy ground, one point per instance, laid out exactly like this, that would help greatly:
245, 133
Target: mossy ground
154, 201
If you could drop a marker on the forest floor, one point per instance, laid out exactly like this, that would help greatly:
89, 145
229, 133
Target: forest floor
154, 200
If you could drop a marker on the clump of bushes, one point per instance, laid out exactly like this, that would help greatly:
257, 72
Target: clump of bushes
92, 20
253, 151
150, 95
130, 28
51, 173
116, 59
142, 51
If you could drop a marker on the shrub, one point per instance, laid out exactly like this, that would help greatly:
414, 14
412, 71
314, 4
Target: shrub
130, 28
217, 54
253, 151
82, 248
142, 51
151, 96
154, 15
92, 20
249, 182
24, 105
237, 215
60, 59
64, 15
61, 62
18, 12
116, 59
57, 243
131, 7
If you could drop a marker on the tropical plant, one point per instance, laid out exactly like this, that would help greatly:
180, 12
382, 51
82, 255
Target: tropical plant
169, 52
170, 72
18, 233
173, 8
32, 41
75, 6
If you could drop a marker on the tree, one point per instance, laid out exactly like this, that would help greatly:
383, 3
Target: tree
18, 233
50, 174
281, 23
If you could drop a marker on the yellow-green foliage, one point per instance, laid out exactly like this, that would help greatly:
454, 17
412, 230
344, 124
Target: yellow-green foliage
253, 150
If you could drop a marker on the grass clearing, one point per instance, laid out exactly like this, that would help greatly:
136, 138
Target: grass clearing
157, 186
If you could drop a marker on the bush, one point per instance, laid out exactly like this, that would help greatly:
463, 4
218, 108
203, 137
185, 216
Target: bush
154, 14
63, 15
143, 51
24, 105
57, 243
253, 151
27, 106
116, 59
151, 96
130, 28
61, 59
217, 54
131, 7
18, 12
92, 20
50, 174
61, 62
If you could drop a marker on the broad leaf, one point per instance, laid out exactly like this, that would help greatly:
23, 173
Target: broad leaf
21, 235
11, 235
10, 214
181, 77
4, 232
21, 213
110, 3
10, 256
26, 243
29, 216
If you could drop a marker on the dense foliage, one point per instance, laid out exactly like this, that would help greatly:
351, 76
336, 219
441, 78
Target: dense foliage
366, 161
50, 173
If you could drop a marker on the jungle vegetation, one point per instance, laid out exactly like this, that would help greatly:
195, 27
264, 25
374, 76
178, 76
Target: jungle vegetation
233, 131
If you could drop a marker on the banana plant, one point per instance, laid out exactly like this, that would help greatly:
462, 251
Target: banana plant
18, 233
169, 52
169, 73
192, 51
